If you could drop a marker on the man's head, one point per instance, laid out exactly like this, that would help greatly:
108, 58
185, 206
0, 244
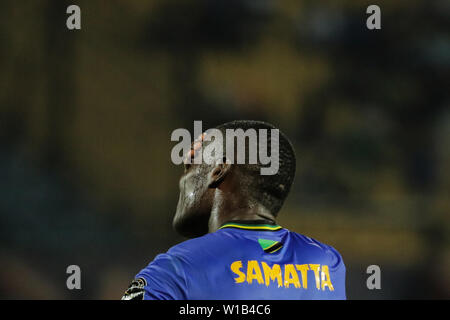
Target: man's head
241, 183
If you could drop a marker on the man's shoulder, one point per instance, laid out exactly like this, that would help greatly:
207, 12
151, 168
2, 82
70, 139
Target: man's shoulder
221, 242
320, 249
208, 242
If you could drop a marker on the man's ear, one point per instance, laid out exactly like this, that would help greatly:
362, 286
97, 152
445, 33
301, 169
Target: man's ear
218, 174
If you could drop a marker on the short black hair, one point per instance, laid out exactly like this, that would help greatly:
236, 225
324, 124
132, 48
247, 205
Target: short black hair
268, 190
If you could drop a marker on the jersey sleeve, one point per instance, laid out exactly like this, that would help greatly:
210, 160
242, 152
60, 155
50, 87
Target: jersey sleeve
340, 283
337, 269
162, 279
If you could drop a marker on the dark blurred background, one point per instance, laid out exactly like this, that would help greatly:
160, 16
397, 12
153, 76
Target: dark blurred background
86, 118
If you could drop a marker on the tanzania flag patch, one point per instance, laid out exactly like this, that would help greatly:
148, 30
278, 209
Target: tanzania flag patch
270, 246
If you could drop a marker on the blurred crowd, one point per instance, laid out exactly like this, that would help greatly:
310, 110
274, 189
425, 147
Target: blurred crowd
86, 118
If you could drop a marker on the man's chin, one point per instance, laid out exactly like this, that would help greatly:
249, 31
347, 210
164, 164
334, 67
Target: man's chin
191, 226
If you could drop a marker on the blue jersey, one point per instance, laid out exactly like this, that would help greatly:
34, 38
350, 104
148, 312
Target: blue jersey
244, 260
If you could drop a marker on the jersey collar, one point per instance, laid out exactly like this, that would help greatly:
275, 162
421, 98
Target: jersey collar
255, 225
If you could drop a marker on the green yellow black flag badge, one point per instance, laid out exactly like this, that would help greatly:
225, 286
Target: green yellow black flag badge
270, 246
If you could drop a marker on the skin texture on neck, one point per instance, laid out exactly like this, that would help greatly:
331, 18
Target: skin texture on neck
230, 204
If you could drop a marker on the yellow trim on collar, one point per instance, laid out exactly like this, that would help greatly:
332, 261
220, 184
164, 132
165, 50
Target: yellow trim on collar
252, 227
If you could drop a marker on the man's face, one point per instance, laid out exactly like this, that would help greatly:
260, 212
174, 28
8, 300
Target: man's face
196, 198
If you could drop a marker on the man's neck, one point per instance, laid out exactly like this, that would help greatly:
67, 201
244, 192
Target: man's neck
225, 210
